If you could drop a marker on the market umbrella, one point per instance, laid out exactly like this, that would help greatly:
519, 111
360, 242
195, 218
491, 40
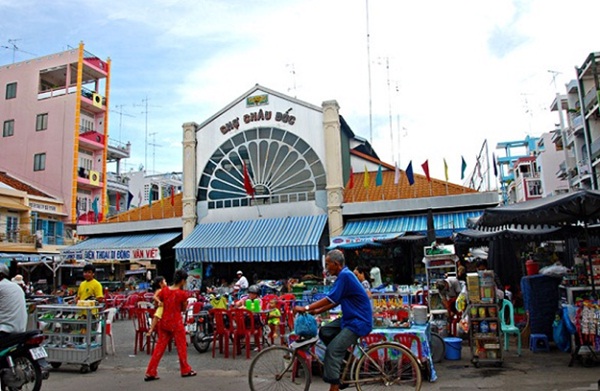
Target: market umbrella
580, 207
430, 227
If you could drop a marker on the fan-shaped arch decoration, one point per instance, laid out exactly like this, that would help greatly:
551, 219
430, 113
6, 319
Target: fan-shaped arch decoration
282, 168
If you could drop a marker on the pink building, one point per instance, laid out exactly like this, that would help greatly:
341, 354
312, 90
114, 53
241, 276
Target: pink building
54, 113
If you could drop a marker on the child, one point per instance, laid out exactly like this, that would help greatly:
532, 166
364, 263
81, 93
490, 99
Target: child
274, 317
158, 283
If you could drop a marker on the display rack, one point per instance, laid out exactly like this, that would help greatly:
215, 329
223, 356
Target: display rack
74, 335
484, 334
440, 262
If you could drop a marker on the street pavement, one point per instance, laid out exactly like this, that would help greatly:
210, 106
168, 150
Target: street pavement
546, 371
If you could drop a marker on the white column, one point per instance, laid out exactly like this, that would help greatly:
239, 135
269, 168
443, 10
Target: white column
333, 165
189, 177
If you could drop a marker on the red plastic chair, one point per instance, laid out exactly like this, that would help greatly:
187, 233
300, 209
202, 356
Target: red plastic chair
141, 323
370, 340
412, 342
266, 299
222, 332
289, 299
129, 306
245, 327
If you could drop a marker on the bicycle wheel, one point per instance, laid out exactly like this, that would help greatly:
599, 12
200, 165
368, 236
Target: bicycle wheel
277, 368
388, 365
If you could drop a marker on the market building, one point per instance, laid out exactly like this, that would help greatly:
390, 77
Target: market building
267, 188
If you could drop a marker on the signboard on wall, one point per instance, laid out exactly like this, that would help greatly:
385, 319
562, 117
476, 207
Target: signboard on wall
133, 254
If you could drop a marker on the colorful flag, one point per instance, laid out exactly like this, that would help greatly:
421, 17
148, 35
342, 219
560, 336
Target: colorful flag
351, 180
247, 183
129, 199
172, 195
495, 166
396, 174
118, 201
463, 168
140, 198
150, 196
409, 174
160, 196
366, 178
446, 169
379, 177
426, 169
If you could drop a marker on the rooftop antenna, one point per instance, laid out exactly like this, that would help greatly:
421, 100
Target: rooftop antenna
554, 74
15, 48
154, 145
145, 105
121, 114
293, 72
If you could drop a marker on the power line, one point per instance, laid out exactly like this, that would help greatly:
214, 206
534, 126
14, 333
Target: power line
145, 112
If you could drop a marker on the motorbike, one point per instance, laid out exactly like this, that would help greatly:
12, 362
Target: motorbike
23, 363
204, 331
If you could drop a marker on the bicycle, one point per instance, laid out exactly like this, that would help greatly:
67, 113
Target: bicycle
382, 364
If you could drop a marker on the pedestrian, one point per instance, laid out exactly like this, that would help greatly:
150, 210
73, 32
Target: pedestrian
13, 310
90, 288
174, 300
274, 317
361, 273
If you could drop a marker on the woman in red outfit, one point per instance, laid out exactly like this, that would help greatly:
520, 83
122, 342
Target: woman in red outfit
174, 300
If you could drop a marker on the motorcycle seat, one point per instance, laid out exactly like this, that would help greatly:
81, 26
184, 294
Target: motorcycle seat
14, 338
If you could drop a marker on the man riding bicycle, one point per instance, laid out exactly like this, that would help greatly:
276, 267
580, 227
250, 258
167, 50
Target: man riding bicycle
356, 320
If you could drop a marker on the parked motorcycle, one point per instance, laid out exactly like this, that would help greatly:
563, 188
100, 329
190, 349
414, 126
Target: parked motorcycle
204, 331
23, 363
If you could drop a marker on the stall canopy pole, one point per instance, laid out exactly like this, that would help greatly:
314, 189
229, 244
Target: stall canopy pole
589, 251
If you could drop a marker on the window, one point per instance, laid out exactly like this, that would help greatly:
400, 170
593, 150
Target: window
12, 228
41, 123
8, 128
39, 162
11, 90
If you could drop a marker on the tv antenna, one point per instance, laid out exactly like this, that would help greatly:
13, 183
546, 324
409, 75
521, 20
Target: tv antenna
154, 145
13, 46
121, 114
554, 74
145, 112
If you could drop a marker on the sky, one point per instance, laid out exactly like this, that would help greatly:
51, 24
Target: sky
421, 80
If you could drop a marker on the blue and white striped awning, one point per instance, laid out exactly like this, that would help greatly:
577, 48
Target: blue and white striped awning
264, 240
445, 225
122, 247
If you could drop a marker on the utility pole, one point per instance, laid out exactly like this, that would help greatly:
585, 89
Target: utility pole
369, 71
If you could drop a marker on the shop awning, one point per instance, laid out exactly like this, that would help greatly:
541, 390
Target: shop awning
265, 240
389, 227
121, 248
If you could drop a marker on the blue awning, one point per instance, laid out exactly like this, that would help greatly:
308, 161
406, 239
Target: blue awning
266, 240
445, 225
122, 247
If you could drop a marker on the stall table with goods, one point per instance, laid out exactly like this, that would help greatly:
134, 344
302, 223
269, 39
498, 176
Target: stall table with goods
75, 334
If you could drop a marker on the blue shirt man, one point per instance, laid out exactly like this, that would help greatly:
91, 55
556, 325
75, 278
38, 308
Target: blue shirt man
356, 320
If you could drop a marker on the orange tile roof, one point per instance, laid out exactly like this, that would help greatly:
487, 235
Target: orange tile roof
18, 185
158, 210
390, 191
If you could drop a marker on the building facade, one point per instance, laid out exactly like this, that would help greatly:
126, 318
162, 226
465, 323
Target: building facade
55, 117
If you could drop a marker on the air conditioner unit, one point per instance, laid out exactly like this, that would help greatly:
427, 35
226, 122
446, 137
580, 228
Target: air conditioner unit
97, 100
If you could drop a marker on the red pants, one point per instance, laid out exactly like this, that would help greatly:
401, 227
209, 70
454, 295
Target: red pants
164, 336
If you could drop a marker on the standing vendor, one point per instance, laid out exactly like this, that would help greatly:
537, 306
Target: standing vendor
90, 289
